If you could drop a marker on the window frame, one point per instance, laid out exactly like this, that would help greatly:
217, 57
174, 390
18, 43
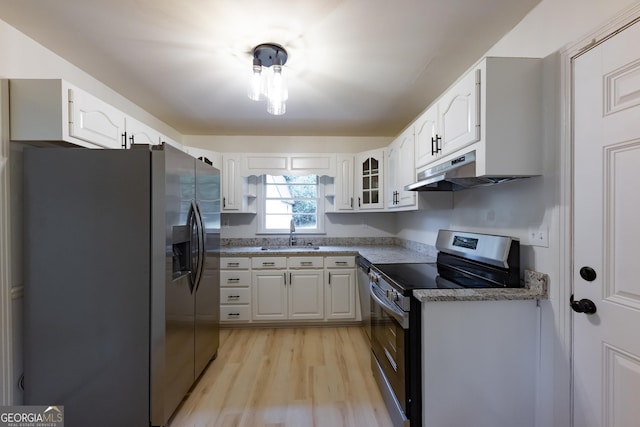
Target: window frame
262, 211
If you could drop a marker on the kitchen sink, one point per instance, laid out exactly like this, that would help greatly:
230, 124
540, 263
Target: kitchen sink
290, 248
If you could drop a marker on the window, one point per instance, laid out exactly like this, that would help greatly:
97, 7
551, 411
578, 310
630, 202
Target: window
291, 197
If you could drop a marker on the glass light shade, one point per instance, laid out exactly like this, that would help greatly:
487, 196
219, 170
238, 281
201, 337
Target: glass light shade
277, 108
277, 86
256, 84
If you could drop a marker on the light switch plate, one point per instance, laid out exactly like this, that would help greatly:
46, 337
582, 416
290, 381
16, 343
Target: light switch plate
539, 236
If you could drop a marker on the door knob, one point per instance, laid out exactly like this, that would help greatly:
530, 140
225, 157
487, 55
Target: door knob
588, 274
585, 306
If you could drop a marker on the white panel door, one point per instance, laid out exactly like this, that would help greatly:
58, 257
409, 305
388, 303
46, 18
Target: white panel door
231, 183
95, 121
139, 133
606, 345
306, 299
459, 114
344, 189
341, 294
426, 131
269, 295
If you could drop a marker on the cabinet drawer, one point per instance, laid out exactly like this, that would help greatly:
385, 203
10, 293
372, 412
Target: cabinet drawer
235, 263
269, 262
235, 296
340, 261
234, 313
235, 278
305, 262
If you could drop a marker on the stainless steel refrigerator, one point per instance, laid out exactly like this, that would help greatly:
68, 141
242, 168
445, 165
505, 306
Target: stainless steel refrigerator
121, 282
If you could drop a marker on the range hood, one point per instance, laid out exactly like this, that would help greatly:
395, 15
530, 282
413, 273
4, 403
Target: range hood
456, 174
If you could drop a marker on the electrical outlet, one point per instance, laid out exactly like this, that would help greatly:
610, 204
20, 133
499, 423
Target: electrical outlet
539, 237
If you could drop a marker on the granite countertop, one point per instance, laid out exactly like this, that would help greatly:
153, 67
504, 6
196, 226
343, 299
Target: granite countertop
375, 254
535, 288
535, 283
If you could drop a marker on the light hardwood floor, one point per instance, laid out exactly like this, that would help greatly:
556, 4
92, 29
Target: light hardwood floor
293, 377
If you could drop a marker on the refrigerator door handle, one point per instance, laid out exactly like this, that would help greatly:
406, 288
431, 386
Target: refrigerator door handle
201, 246
194, 260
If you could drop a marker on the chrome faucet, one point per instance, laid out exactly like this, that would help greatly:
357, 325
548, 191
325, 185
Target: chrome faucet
292, 239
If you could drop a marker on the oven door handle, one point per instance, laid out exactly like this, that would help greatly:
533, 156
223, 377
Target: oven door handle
396, 313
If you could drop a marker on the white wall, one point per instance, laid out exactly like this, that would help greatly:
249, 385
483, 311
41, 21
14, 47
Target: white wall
380, 224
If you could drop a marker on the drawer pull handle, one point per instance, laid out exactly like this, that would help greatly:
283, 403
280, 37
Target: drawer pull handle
234, 314
341, 263
306, 263
233, 264
268, 263
233, 297
233, 279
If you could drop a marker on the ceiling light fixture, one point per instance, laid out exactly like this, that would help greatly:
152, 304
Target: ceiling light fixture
267, 79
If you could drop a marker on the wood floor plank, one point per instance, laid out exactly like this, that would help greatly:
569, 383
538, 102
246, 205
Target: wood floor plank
287, 377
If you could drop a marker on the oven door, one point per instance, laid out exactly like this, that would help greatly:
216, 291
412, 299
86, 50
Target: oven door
389, 334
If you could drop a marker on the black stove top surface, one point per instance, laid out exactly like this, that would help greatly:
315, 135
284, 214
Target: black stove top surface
407, 277
410, 276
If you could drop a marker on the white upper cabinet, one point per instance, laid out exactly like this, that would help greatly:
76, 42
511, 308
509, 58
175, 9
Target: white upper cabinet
231, 182
238, 192
359, 182
139, 133
495, 110
426, 131
401, 171
94, 121
458, 111
370, 180
343, 183
53, 110
451, 123
289, 164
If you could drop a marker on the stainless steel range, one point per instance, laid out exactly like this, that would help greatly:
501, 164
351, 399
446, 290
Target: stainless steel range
465, 260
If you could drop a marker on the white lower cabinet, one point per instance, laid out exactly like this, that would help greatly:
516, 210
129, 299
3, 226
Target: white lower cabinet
287, 288
269, 291
273, 289
235, 290
340, 289
305, 294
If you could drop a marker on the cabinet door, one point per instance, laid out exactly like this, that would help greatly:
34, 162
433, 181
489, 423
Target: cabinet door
231, 183
261, 164
306, 299
344, 190
401, 170
95, 121
426, 132
460, 114
392, 163
406, 170
370, 180
139, 133
340, 294
269, 294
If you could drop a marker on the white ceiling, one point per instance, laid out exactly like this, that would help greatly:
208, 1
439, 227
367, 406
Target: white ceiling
355, 68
